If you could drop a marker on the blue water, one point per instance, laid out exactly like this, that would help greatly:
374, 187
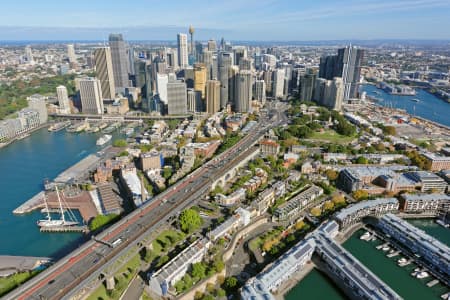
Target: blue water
430, 107
24, 164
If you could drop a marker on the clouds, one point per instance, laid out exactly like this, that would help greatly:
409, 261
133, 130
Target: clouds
238, 19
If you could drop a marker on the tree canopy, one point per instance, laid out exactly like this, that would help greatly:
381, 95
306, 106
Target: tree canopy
190, 220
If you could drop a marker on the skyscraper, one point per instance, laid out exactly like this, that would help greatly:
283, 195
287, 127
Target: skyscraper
212, 45
176, 97
200, 78
240, 52
329, 93
29, 54
268, 80
182, 50
63, 99
278, 83
346, 64
104, 69
91, 96
232, 73
259, 91
119, 61
71, 53
307, 82
212, 96
245, 64
192, 48
194, 101
224, 62
243, 93
161, 86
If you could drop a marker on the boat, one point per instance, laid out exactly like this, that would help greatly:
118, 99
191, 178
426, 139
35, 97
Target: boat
103, 125
365, 236
422, 275
385, 248
402, 260
62, 222
59, 126
442, 223
104, 139
445, 296
415, 100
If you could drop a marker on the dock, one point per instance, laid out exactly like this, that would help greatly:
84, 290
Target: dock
77, 171
82, 229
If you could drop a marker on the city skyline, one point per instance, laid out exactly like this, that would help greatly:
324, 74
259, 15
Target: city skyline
264, 20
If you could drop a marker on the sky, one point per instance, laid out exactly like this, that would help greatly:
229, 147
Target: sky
250, 20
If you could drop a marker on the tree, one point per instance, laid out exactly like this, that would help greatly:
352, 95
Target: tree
362, 160
219, 265
338, 199
315, 211
389, 130
120, 143
299, 225
331, 174
167, 173
220, 292
360, 195
231, 282
190, 220
328, 205
198, 270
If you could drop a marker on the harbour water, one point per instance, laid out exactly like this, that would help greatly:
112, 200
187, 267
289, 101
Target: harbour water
24, 164
317, 286
429, 106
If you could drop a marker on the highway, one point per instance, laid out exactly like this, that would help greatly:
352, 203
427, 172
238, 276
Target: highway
71, 273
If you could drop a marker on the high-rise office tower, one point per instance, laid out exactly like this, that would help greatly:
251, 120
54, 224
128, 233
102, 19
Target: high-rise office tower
259, 91
212, 45
224, 63
119, 61
131, 69
271, 60
268, 80
194, 101
239, 52
329, 93
245, 64
207, 59
182, 50
307, 82
91, 96
232, 73
105, 73
172, 58
347, 65
214, 68
63, 99
278, 83
243, 93
29, 54
212, 96
200, 78
161, 86
71, 53
176, 97
198, 52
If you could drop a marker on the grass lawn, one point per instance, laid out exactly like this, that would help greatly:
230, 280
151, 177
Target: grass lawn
331, 136
166, 239
10, 282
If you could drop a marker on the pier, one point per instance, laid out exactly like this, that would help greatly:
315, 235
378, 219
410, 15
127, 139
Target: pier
82, 229
33, 203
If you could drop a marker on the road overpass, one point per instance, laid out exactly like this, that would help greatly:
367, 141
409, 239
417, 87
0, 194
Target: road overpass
69, 275
120, 118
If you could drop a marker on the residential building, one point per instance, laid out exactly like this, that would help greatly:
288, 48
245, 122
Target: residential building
134, 185
151, 160
436, 163
243, 92
429, 182
269, 147
356, 212
278, 83
259, 91
424, 203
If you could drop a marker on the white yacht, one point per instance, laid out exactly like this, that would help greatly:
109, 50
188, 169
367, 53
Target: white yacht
104, 139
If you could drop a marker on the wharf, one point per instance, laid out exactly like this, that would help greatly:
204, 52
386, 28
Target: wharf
32, 204
12, 264
83, 229
79, 169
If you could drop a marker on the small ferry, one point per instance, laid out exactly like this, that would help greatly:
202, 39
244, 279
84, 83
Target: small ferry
104, 139
59, 126
415, 100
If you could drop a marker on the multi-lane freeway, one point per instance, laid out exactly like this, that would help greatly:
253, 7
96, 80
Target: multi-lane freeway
71, 273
